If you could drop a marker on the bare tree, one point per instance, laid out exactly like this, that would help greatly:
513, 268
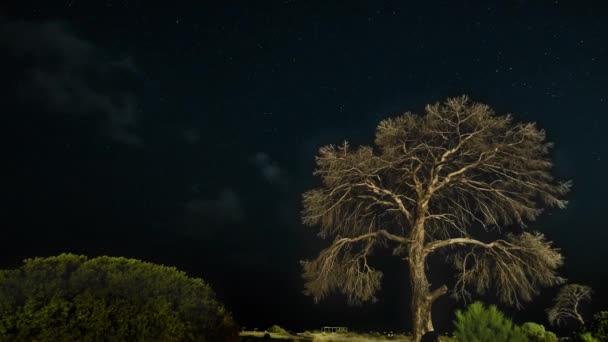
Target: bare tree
565, 305
431, 184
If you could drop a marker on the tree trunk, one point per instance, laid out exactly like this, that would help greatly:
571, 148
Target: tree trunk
422, 300
422, 296
421, 306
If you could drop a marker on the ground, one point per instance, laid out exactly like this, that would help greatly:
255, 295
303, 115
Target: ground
316, 336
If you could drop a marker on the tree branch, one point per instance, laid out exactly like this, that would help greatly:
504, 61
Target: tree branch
438, 292
376, 189
515, 266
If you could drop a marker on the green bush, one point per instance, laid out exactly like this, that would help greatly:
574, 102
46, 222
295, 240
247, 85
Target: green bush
587, 337
480, 324
598, 331
599, 326
73, 298
537, 333
275, 329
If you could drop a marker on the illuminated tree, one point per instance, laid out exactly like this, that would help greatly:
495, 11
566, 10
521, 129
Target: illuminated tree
566, 304
432, 184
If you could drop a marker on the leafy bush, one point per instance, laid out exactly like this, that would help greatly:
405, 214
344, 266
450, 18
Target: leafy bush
70, 297
598, 330
599, 326
275, 329
587, 337
481, 324
537, 333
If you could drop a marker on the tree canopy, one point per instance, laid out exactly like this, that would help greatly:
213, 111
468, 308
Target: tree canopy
72, 298
566, 304
432, 183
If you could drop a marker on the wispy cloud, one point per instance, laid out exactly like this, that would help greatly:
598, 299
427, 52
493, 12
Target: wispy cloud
65, 74
191, 136
269, 170
226, 208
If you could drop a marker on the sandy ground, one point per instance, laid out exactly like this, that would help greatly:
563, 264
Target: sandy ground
326, 337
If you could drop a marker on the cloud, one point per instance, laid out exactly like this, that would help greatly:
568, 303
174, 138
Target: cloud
269, 170
191, 136
65, 74
226, 208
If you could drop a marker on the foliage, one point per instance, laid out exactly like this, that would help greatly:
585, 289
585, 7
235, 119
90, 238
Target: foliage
566, 304
587, 337
537, 333
276, 329
600, 325
70, 297
480, 324
598, 328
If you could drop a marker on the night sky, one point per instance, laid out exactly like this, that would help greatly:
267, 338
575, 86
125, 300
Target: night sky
185, 134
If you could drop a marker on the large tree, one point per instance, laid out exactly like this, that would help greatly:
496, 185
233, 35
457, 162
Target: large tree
436, 183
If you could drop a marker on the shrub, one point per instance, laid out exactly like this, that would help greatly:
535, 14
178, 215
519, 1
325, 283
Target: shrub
70, 297
599, 326
587, 337
481, 324
598, 330
275, 329
537, 333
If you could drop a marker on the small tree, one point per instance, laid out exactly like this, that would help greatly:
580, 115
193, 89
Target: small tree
73, 298
480, 324
566, 304
432, 184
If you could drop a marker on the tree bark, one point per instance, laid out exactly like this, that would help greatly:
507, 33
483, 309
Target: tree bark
422, 299
422, 296
421, 307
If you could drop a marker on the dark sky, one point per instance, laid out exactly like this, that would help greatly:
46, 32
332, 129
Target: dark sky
185, 134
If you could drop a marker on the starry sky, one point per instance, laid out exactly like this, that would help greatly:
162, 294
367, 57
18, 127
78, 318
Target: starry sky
185, 134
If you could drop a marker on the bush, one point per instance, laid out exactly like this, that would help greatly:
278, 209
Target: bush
537, 333
598, 330
587, 337
275, 329
481, 324
70, 297
599, 326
